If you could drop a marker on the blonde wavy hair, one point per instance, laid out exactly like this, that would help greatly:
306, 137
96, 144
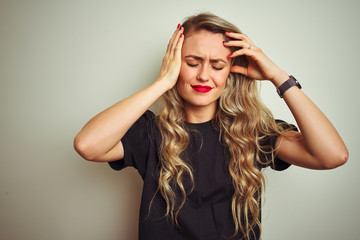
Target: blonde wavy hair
243, 122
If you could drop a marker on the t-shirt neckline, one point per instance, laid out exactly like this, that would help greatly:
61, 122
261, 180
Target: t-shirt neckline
200, 125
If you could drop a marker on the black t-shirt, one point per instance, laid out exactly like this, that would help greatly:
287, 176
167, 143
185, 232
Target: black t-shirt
207, 211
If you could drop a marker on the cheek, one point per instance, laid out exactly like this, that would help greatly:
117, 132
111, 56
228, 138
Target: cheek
185, 74
181, 82
181, 79
222, 79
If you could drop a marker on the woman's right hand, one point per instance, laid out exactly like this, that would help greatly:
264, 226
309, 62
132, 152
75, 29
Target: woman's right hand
100, 138
171, 64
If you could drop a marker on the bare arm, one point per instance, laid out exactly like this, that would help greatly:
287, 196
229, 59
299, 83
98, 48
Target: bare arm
318, 146
100, 138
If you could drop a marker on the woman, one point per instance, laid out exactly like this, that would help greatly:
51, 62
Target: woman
201, 158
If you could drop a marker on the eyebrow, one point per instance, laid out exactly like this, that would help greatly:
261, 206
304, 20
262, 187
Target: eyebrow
214, 60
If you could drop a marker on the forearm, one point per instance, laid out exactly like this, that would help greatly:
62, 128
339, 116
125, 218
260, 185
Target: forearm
100, 139
104, 131
320, 138
319, 145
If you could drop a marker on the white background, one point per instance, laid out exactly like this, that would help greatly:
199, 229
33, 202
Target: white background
62, 62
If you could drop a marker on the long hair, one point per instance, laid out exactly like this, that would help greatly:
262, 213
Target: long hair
242, 120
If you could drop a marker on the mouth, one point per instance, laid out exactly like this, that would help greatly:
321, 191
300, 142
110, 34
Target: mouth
201, 88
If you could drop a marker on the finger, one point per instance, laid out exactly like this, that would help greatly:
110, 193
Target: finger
239, 69
239, 36
179, 38
174, 52
179, 45
240, 44
174, 39
241, 52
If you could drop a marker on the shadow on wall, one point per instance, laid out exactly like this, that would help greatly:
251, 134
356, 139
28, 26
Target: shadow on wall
120, 192
129, 212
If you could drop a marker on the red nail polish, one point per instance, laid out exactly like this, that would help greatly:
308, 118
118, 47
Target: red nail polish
181, 34
230, 54
178, 26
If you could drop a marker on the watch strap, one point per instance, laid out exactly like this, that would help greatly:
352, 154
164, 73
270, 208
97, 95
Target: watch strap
286, 85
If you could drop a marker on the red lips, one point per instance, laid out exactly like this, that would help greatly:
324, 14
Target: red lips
201, 88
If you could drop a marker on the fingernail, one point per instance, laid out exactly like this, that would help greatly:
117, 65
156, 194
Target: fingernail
230, 54
181, 34
225, 42
228, 32
178, 26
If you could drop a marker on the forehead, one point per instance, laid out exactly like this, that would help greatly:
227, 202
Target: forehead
205, 44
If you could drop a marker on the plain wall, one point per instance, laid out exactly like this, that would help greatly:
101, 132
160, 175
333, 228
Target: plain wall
62, 62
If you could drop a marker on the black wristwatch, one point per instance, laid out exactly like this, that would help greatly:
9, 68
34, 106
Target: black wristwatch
288, 84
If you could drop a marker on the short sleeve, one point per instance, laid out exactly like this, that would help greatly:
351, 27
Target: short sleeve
136, 145
277, 163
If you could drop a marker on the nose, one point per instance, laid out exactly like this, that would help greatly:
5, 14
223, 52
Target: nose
203, 74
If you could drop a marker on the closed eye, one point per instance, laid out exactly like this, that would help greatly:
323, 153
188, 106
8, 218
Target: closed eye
217, 68
195, 65
192, 65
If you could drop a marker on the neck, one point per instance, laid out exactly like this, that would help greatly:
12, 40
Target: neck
199, 114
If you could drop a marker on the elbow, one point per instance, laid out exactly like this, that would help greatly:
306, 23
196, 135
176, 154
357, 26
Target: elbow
336, 160
83, 148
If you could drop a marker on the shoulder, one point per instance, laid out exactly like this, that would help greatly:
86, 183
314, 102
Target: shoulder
147, 120
147, 117
283, 125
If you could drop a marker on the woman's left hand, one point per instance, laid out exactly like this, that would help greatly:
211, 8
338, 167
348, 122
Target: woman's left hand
259, 66
318, 145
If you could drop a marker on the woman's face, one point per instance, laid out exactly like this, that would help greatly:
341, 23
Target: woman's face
204, 69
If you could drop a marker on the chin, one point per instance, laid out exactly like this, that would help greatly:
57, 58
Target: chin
200, 103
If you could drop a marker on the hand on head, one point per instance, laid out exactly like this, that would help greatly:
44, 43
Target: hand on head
171, 64
259, 66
